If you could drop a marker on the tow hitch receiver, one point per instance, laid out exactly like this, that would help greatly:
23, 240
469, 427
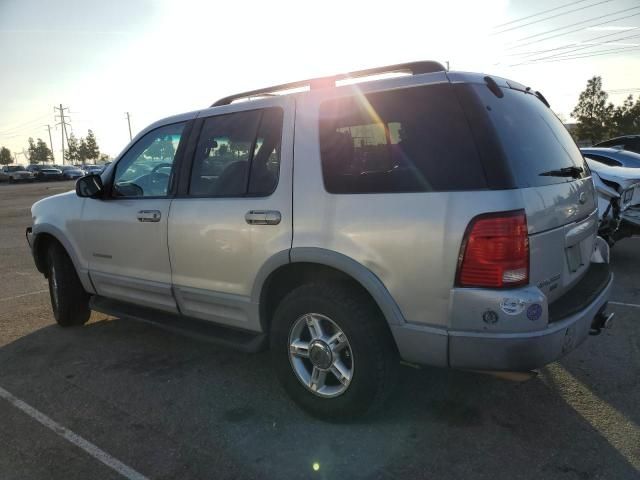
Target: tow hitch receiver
601, 320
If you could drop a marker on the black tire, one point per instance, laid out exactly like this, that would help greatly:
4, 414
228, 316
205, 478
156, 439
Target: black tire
10, 179
375, 359
69, 301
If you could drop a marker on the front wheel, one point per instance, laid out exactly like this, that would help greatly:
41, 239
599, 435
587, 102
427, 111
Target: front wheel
69, 301
332, 351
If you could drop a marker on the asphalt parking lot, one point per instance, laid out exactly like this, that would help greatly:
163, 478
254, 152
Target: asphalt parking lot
166, 406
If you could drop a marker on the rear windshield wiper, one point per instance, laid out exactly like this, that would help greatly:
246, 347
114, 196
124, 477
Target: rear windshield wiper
574, 172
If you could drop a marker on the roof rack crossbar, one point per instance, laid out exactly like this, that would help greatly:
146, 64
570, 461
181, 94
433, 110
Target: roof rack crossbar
414, 68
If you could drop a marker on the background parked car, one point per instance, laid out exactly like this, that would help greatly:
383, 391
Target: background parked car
45, 172
613, 157
626, 142
15, 173
70, 172
618, 200
97, 169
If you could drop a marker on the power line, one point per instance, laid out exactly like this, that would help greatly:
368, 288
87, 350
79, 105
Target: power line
552, 16
623, 90
22, 126
530, 54
539, 13
573, 25
584, 47
575, 57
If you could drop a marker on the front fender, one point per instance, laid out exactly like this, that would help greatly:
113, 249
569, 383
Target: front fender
43, 231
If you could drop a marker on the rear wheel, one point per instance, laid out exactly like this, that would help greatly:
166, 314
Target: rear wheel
332, 351
69, 301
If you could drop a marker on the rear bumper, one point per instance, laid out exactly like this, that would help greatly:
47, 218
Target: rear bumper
525, 351
565, 328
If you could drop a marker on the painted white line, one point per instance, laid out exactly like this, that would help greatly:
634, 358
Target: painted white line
5, 299
616, 428
77, 440
625, 304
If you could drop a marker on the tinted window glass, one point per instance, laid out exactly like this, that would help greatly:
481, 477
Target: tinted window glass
145, 170
230, 146
410, 140
533, 139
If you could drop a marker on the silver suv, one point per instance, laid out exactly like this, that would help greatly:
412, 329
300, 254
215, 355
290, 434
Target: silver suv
437, 217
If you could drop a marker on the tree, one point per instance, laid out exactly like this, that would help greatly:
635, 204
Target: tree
92, 151
43, 153
5, 156
72, 153
593, 113
82, 150
625, 118
161, 148
32, 153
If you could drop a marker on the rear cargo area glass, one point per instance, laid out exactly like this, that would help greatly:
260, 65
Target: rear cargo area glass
532, 139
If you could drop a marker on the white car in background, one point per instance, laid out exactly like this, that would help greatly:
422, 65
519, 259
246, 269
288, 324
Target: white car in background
618, 200
15, 173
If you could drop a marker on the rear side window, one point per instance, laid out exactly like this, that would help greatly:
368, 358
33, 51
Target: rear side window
238, 154
409, 140
533, 139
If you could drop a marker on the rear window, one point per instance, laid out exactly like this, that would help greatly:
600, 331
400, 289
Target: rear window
533, 139
408, 140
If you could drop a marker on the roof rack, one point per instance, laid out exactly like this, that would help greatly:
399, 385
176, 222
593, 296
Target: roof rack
414, 68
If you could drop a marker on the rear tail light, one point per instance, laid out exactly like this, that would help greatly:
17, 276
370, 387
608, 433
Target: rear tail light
495, 251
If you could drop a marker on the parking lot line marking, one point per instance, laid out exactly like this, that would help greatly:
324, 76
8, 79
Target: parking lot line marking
617, 429
625, 304
74, 438
6, 299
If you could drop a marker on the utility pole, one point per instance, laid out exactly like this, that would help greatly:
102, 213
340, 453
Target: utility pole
447, 65
63, 123
53, 158
129, 123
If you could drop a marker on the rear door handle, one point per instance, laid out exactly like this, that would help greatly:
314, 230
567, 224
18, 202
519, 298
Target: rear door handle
149, 216
263, 217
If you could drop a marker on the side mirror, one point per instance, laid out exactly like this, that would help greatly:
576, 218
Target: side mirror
89, 186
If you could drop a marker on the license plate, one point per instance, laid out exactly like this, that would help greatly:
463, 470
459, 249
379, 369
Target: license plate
574, 258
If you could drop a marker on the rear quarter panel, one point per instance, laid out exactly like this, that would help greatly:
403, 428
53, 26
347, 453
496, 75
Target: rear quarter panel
410, 241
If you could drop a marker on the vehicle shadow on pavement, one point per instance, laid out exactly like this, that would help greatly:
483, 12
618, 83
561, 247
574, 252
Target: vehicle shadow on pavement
179, 408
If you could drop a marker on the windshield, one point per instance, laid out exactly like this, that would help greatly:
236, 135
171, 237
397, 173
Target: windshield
15, 169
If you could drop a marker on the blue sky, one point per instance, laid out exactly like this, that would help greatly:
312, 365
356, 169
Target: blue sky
157, 58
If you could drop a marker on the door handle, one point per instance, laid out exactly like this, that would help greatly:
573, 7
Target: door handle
263, 217
149, 216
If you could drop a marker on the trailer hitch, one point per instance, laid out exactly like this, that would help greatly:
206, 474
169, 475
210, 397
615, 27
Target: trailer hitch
601, 320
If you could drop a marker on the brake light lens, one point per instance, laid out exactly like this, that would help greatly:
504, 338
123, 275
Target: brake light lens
495, 251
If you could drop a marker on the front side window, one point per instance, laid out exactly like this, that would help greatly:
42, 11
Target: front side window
408, 140
146, 169
238, 154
